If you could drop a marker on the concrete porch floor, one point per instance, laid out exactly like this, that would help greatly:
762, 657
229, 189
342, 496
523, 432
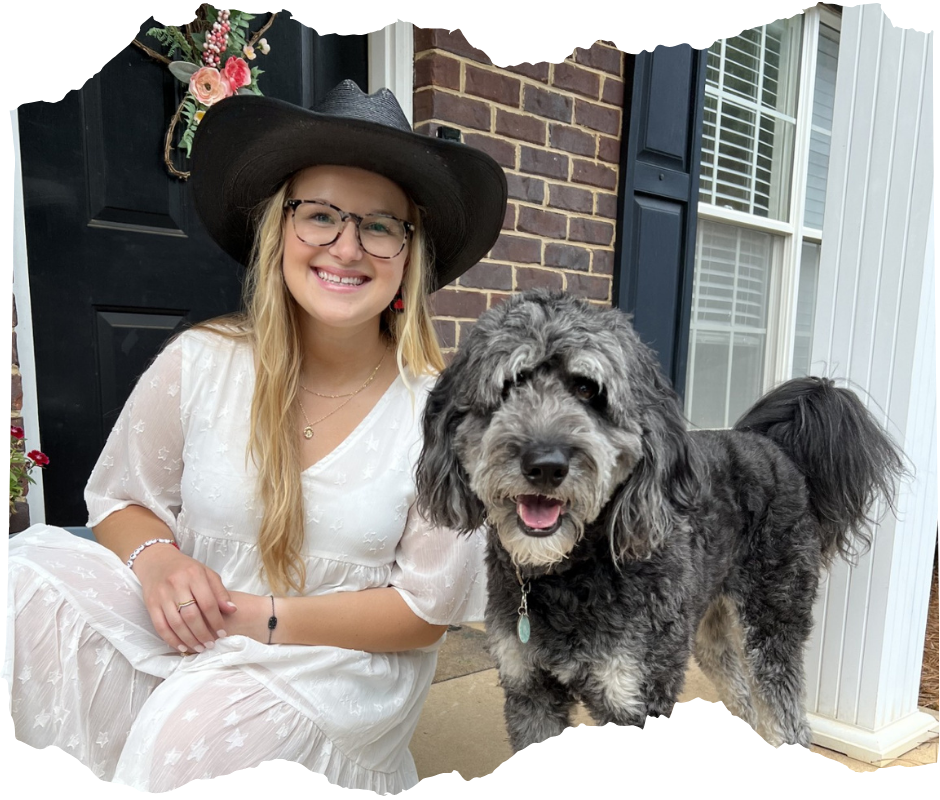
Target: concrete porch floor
462, 729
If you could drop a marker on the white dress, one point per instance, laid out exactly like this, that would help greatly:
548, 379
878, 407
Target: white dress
89, 674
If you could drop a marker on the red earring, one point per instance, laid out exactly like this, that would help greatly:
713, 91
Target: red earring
398, 304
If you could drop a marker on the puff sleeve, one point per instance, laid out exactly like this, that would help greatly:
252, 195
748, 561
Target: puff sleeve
142, 461
439, 573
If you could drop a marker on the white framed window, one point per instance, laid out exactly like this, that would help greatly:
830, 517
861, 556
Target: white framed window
765, 153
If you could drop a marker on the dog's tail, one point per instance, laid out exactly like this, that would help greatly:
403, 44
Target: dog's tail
847, 459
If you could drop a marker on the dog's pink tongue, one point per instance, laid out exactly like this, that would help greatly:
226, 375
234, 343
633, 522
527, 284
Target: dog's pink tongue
537, 511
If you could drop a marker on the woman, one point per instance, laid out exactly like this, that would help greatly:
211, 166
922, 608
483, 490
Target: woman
266, 589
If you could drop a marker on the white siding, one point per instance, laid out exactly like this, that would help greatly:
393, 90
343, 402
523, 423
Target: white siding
874, 326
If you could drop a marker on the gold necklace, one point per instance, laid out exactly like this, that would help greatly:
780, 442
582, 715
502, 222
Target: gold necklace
350, 394
308, 428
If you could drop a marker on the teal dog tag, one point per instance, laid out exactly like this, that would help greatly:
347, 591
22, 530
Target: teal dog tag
523, 628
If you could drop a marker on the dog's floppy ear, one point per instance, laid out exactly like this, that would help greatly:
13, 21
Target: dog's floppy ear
444, 495
657, 496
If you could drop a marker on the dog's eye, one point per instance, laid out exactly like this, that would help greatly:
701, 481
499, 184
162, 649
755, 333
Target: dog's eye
513, 382
585, 389
510, 384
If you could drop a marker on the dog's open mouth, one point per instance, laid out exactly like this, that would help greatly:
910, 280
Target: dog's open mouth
539, 515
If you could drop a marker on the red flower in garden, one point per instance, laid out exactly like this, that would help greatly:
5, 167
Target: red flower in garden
39, 459
21, 465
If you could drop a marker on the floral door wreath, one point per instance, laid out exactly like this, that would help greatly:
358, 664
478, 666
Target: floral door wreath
210, 55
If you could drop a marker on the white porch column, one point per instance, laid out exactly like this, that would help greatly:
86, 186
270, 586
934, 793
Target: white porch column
391, 63
875, 326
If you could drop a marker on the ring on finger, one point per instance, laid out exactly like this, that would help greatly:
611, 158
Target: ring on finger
189, 602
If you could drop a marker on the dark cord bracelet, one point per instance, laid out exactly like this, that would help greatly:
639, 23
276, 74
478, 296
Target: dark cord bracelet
272, 621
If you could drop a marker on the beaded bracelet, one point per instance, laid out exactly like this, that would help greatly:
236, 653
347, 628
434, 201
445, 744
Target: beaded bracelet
130, 561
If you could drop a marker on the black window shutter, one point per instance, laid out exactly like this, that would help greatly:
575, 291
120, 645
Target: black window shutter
658, 193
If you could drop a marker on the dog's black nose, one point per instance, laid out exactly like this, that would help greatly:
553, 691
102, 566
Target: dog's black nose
545, 467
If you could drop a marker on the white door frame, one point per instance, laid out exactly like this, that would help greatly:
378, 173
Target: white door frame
24, 328
391, 63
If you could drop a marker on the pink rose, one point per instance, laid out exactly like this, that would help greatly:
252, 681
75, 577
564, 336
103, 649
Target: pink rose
237, 72
208, 86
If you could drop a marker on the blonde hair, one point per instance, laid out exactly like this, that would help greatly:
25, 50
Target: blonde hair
271, 323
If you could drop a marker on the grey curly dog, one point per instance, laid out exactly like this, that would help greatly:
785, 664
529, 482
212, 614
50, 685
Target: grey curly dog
619, 543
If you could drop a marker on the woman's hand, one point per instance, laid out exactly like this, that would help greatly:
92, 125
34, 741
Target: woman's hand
170, 578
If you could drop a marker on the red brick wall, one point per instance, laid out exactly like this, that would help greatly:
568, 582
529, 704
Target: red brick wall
555, 130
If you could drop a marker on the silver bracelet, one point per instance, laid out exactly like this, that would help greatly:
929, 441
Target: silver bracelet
130, 561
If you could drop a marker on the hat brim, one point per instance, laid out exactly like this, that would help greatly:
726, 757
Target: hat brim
247, 146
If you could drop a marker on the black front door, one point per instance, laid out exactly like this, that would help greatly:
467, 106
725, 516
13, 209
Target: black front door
117, 259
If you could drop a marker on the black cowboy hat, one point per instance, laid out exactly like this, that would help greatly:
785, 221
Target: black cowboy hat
246, 146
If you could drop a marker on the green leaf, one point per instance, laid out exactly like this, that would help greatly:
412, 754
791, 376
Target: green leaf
174, 40
235, 46
186, 141
183, 70
190, 106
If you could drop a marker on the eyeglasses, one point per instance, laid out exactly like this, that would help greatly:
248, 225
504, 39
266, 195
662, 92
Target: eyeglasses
319, 224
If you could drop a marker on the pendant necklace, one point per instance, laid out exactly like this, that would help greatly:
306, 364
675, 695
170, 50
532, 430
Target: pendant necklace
308, 428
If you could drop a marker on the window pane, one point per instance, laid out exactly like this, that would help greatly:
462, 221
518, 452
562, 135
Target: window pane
805, 310
827, 54
730, 293
750, 103
781, 65
707, 169
743, 63
709, 370
747, 371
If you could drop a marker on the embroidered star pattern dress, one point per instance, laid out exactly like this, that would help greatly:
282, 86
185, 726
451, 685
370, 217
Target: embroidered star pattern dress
91, 676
